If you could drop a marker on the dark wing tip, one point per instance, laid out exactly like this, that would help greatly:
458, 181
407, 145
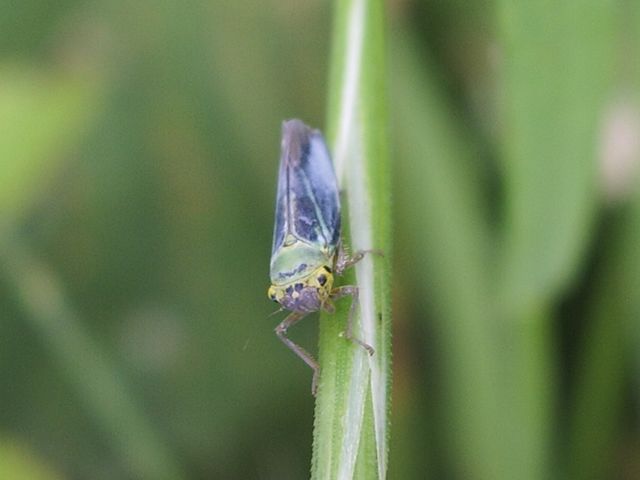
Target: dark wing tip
295, 139
295, 128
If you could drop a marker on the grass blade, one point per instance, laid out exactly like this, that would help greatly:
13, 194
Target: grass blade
356, 130
87, 367
448, 233
553, 92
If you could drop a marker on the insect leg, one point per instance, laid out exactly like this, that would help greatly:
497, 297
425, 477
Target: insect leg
353, 291
281, 332
345, 260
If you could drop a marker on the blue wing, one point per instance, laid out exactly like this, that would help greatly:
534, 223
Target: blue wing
308, 202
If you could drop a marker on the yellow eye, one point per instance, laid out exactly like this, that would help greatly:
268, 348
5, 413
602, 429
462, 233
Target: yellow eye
324, 279
271, 293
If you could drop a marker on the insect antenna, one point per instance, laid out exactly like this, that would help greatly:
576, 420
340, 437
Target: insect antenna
250, 338
281, 309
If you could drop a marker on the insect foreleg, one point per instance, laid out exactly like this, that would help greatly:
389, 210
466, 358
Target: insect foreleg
281, 332
345, 260
352, 290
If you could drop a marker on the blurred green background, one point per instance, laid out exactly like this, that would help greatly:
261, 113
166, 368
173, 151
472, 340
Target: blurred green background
138, 156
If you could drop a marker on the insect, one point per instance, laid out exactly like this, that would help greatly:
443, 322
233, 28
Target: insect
307, 250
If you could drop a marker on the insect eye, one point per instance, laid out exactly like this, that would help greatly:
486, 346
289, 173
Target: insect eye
322, 279
272, 294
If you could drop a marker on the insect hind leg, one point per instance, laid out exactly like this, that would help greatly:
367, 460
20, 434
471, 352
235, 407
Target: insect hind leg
281, 332
345, 260
352, 290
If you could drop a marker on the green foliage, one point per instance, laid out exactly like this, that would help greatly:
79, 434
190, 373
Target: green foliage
18, 463
41, 115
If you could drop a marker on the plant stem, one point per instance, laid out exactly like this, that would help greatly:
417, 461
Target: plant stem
351, 426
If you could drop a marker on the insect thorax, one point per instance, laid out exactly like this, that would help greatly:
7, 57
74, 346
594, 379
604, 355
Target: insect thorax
297, 261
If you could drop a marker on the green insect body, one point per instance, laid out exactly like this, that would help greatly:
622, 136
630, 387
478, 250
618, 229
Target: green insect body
307, 251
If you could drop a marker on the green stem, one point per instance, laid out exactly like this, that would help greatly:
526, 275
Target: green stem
350, 438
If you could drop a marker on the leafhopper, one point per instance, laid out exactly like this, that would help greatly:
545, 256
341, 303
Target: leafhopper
307, 250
